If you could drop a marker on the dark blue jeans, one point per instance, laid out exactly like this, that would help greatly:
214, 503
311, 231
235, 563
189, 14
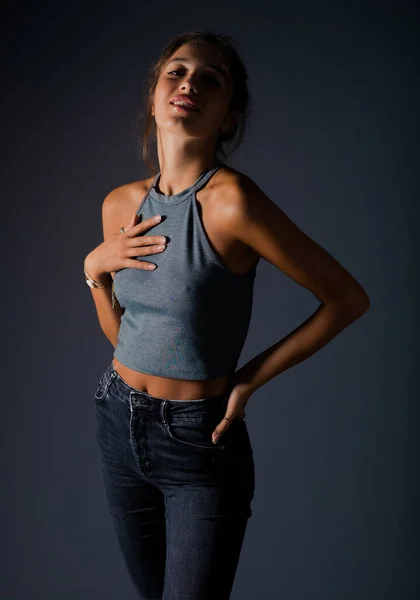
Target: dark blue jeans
179, 504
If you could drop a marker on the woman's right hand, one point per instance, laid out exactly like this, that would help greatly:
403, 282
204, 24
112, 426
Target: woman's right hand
118, 250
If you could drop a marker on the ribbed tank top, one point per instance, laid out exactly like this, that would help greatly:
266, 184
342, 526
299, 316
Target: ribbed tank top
189, 317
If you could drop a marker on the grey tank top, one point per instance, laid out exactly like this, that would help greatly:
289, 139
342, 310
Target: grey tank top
189, 317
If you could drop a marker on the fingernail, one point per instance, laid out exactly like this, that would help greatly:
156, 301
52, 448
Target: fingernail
215, 438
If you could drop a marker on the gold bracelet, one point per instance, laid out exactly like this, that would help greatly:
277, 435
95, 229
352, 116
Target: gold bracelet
95, 284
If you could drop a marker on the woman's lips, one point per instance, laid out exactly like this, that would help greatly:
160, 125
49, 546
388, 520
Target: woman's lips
184, 108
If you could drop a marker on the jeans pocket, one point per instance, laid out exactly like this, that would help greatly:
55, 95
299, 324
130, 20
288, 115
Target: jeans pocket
103, 386
194, 433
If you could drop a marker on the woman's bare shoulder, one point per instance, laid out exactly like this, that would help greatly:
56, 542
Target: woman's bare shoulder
228, 178
121, 203
127, 194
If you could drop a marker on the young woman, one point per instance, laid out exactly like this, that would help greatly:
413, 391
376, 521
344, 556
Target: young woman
176, 458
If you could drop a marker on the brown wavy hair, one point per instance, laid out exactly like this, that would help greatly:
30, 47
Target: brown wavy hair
240, 100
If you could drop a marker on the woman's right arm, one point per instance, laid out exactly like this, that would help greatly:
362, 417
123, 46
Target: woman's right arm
119, 252
109, 318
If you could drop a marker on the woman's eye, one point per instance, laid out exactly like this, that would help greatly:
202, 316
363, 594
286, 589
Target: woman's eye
214, 80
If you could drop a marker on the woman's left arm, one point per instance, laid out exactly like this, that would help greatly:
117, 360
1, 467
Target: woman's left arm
259, 223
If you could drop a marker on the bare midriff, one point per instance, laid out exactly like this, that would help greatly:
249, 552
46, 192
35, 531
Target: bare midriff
174, 389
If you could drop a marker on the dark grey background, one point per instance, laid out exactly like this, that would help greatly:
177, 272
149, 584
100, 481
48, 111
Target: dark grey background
331, 141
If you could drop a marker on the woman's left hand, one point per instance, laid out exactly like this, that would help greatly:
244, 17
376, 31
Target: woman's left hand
237, 402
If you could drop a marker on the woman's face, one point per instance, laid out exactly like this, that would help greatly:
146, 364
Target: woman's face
199, 75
